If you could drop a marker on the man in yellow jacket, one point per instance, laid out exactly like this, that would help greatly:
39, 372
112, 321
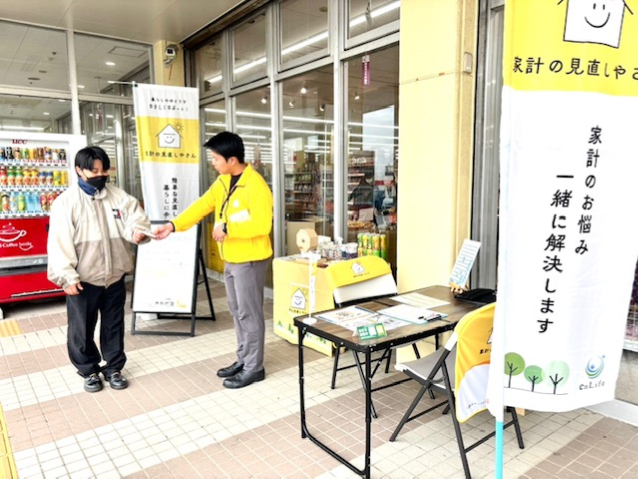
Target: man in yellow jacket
243, 206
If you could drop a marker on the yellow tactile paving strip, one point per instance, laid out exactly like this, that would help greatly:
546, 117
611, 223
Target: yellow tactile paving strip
7, 464
9, 328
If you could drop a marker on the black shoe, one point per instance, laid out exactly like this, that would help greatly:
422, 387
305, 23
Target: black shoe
92, 383
117, 381
230, 371
244, 378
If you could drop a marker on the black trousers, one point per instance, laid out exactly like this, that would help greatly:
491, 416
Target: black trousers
82, 311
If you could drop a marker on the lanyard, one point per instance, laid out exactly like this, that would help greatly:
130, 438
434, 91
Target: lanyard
221, 210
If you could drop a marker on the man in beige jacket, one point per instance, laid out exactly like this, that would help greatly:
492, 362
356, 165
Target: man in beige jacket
91, 226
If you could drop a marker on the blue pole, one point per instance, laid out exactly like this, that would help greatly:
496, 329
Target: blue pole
498, 459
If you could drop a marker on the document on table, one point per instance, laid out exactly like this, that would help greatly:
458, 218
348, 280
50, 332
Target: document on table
352, 317
350, 313
412, 314
419, 300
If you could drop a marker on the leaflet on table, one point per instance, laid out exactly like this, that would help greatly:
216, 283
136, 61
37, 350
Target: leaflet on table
352, 317
419, 300
412, 314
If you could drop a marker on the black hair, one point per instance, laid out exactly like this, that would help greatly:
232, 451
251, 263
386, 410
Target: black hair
227, 144
86, 156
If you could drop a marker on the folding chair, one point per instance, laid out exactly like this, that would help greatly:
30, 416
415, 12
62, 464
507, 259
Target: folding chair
354, 281
464, 361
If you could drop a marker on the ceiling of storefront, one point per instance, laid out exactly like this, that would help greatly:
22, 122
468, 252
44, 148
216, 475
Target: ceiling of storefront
141, 20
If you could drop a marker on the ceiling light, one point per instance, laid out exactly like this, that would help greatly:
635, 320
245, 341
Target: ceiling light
61, 100
303, 90
322, 107
264, 99
356, 95
30, 128
291, 103
81, 87
110, 64
375, 13
46, 113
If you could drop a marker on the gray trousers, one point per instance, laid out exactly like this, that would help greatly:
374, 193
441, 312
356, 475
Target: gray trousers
245, 293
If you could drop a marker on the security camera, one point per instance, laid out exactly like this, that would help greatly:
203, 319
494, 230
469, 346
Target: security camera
170, 53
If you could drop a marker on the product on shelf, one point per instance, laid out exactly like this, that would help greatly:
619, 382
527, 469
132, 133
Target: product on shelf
31, 178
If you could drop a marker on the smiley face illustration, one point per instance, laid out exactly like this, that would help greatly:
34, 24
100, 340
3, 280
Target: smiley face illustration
595, 21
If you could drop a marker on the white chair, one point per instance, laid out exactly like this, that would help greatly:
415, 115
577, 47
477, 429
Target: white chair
354, 281
459, 370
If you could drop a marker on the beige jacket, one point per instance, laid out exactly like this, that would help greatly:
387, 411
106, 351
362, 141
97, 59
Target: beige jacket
89, 235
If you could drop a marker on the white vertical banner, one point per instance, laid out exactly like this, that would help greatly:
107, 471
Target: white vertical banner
167, 120
569, 164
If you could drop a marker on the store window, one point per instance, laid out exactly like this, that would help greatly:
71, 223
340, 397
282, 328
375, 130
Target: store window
33, 57
214, 121
38, 115
253, 124
249, 50
208, 62
308, 122
367, 15
100, 62
373, 138
304, 30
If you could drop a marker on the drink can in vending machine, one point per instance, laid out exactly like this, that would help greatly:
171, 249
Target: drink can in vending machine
26, 154
19, 176
44, 203
9, 153
57, 178
34, 154
50, 198
42, 178
62, 154
26, 176
3, 153
40, 154
49, 178
11, 176
65, 178
6, 204
17, 154
55, 154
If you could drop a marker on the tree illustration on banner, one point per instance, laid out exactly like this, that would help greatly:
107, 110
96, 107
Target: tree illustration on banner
557, 373
535, 375
514, 365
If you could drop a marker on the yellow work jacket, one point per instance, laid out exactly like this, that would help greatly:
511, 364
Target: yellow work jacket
247, 210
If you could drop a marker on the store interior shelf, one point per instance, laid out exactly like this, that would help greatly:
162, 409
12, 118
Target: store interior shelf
32, 163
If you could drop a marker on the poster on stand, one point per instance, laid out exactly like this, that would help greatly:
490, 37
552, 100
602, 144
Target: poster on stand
567, 238
167, 120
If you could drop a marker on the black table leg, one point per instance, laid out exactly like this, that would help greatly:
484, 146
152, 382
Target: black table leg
368, 388
302, 403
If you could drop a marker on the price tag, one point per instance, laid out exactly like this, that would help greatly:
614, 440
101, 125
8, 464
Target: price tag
371, 331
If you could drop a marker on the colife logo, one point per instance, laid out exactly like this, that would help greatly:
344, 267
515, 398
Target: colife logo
593, 370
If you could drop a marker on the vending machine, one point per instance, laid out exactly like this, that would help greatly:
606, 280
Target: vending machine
35, 168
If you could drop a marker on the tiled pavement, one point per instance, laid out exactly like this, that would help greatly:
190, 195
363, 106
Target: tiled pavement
176, 419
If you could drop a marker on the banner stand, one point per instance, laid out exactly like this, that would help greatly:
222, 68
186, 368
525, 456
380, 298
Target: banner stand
192, 315
148, 256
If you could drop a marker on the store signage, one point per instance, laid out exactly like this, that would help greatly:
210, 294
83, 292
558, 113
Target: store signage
365, 70
567, 245
167, 120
